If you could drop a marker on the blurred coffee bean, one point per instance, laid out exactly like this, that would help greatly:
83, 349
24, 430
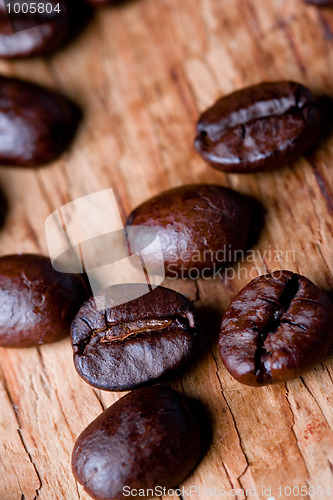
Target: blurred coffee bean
38, 31
259, 127
37, 304
36, 124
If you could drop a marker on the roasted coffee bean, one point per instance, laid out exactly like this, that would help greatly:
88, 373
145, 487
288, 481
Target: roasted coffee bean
277, 327
133, 343
147, 439
201, 228
25, 34
259, 127
320, 3
37, 304
36, 124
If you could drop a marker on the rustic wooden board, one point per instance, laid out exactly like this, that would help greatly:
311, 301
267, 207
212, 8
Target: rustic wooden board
142, 73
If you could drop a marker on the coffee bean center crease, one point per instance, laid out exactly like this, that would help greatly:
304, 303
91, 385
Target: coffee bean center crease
126, 330
288, 295
134, 328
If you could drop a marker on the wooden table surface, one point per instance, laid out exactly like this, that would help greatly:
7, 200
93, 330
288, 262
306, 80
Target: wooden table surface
142, 72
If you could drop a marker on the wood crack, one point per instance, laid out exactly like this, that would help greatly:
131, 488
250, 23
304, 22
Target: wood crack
229, 478
99, 398
20, 433
77, 489
327, 371
239, 478
227, 404
232, 415
315, 400
64, 415
323, 258
293, 430
41, 360
19, 430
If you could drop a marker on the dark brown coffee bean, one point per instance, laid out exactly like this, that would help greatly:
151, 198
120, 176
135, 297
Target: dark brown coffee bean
320, 3
200, 228
25, 34
277, 327
133, 343
147, 439
37, 304
36, 124
259, 127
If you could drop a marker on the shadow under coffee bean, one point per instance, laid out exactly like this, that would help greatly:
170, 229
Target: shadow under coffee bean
134, 343
277, 327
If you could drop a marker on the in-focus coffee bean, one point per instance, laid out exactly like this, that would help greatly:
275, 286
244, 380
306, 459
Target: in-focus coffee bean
259, 127
277, 327
133, 343
32, 28
37, 304
147, 439
37, 124
201, 228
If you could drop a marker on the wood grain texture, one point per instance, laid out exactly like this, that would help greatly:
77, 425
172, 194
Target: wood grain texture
142, 72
